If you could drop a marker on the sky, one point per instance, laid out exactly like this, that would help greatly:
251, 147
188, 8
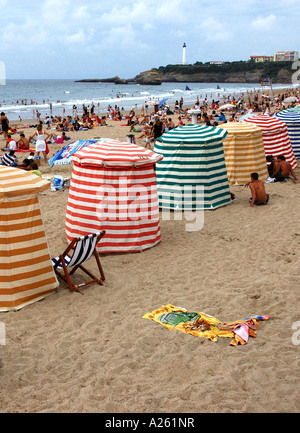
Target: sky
101, 39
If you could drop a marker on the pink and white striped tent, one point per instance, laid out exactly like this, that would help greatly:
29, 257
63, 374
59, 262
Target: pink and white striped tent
113, 188
275, 137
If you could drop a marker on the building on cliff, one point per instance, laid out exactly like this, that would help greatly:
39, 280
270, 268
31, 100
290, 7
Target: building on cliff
280, 56
258, 59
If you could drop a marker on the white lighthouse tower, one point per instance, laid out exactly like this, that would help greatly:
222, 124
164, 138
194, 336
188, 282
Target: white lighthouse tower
184, 54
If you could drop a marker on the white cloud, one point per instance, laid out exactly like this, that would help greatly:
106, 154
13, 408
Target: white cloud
215, 31
267, 23
129, 36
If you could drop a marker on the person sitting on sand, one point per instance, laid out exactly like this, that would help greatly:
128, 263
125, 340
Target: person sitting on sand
65, 137
9, 159
35, 169
31, 156
10, 144
26, 164
283, 170
273, 163
23, 142
147, 131
180, 122
76, 125
103, 121
258, 192
170, 124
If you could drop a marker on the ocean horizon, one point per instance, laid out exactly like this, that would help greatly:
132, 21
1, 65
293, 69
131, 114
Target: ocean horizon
20, 98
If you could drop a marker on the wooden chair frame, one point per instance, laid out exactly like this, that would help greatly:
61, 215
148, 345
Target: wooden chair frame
66, 276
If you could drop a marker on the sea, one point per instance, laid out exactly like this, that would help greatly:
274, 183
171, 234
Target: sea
21, 99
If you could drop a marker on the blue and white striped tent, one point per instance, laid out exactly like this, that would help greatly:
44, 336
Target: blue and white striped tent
192, 174
292, 119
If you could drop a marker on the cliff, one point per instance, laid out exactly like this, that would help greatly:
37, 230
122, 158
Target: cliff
239, 72
229, 72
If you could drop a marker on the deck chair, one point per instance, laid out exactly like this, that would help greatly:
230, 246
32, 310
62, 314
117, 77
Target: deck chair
83, 248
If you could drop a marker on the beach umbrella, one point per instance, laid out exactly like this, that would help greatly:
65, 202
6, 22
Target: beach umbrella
291, 99
113, 188
192, 174
292, 120
275, 137
246, 116
244, 152
65, 155
162, 102
226, 107
26, 273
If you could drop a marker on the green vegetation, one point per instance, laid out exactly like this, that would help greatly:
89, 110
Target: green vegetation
269, 69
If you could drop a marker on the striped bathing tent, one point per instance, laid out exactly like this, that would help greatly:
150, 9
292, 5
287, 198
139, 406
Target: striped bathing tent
275, 136
26, 273
292, 119
113, 188
244, 152
296, 108
192, 174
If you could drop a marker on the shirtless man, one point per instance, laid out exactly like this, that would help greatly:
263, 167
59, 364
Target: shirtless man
258, 191
273, 165
283, 170
23, 142
170, 124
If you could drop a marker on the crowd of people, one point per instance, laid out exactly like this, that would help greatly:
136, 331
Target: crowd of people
148, 128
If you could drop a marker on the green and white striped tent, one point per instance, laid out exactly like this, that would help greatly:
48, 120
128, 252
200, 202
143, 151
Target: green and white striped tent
192, 174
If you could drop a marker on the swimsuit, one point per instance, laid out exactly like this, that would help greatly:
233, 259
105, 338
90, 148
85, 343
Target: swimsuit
260, 203
280, 177
4, 125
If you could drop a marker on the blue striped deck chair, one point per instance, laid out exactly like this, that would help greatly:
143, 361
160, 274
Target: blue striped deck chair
83, 248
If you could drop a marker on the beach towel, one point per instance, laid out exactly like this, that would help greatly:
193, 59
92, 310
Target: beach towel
25, 150
200, 324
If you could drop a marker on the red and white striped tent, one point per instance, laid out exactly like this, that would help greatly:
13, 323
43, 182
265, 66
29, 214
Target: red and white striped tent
26, 273
113, 188
275, 136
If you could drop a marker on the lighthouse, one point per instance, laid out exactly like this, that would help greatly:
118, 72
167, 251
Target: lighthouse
184, 54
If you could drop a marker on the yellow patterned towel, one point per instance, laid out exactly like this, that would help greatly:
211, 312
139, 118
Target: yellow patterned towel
202, 325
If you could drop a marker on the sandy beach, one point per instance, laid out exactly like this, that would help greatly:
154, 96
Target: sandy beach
95, 352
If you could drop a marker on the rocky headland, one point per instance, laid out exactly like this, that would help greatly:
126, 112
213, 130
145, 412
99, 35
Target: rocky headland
234, 72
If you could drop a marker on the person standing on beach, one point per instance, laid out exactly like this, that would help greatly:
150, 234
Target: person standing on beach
40, 145
4, 125
157, 129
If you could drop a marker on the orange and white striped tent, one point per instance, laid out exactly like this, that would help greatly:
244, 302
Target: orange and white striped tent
244, 152
113, 188
275, 137
26, 273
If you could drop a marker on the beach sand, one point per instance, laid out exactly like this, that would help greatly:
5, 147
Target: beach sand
95, 353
